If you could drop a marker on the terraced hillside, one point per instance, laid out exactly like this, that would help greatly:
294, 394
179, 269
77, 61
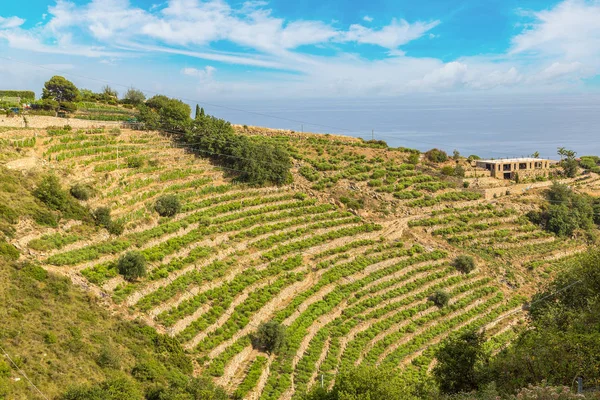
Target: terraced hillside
351, 285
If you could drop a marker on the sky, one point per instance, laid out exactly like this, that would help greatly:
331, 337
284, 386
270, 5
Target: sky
231, 49
259, 53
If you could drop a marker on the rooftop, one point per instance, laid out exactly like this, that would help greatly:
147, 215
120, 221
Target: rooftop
514, 160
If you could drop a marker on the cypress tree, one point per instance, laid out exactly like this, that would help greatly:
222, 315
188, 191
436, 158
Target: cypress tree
197, 111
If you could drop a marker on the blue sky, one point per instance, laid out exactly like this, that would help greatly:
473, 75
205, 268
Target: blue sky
231, 49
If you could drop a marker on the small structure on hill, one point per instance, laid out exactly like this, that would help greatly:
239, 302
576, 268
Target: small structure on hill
508, 168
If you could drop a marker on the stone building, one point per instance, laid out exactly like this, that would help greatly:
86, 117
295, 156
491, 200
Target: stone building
509, 167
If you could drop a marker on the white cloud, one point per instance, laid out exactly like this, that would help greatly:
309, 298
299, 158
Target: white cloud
11, 22
560, 47
203, 75
570, 30
391, 36
558, 70
450, 76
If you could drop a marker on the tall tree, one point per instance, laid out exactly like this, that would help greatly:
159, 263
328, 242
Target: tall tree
459, 363
60, 89
134, 96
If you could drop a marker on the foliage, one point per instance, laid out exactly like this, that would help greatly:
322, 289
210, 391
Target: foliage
352, 203
440, 298
436, 155
60, 89
270, 337
134, 96
132, 265
162, 113
118, 388
362, 383
464, 263
82, 191
257, 161
459, 363
135, 162
50, 192
8, 251
25, 95
565, 212
564, 341
167, 205
568, 162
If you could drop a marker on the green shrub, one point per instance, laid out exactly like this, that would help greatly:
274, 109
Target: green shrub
51, 194
269, 337
82, 191
135, 162
132, 266
440, 298
102, 217
116, 228
108, 358
464, 263
352, 203
436, 155
167, 205
8, 251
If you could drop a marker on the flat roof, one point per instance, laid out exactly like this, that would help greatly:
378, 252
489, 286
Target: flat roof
514, 160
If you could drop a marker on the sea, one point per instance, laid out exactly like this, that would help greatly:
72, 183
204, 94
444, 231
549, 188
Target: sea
499, 126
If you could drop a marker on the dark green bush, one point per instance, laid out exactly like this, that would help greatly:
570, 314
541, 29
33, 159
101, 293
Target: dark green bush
50, 193
102, 217
464, 263
436, 155
440, 298
132, 266
269, 337
82, 191
167, 205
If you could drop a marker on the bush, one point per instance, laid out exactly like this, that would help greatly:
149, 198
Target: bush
464, 264
8, 251
440, 298
167, 205
135, 162
82, 191
436, 155
132, 266
269, 337
108, 358
102, 217
51, 194
351, 203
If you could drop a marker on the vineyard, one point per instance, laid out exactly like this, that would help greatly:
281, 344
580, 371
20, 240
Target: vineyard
347, 257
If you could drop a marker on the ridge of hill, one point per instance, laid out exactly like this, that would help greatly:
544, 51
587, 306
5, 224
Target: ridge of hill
347, 256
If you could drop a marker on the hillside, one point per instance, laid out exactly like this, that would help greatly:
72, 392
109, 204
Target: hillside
346, 256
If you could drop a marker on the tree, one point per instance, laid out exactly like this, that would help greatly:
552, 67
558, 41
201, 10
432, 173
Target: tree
161, 112
269, 337
134, 96
167, 205
82, 191
565, 212
456, 155
60, 89
536, 154
109, 93
132, 265
464, 263
459, 363
568, 162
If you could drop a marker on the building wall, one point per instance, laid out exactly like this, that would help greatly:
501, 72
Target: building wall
507, 170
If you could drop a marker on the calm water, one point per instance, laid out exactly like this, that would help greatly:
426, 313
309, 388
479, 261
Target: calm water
487, 126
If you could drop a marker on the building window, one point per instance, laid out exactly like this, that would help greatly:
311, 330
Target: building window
506, 167
523, 166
